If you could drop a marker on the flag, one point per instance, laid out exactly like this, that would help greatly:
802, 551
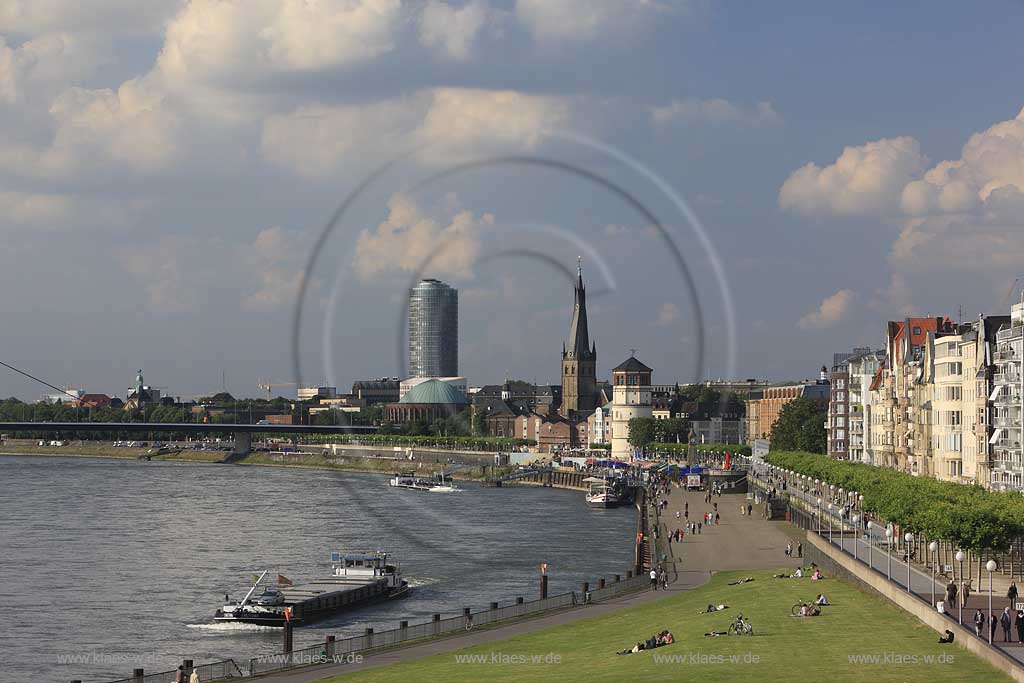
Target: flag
283, 580
287, 613
544, 568
727, 460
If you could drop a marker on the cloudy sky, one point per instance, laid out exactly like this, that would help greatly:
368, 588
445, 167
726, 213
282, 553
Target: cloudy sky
751, 186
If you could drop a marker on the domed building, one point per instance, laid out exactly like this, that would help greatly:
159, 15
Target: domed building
428, 401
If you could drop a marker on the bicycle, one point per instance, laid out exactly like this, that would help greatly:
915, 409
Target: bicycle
797, 608
740, 627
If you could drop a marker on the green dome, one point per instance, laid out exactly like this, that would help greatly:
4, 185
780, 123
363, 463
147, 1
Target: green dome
434, 391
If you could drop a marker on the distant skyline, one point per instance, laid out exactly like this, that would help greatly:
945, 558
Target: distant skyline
168, 167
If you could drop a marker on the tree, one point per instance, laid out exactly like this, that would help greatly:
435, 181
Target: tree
642, 431
800, 427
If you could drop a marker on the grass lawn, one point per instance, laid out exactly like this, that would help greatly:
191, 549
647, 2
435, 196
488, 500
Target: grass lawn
783, 647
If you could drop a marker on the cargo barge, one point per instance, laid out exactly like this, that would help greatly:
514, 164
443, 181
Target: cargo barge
355, 581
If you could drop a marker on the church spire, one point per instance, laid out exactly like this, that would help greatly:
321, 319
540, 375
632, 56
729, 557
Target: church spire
579, 335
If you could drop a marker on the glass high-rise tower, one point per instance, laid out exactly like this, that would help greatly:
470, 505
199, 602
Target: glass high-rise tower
433, 330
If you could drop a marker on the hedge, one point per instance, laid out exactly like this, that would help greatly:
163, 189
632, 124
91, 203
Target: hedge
970, 517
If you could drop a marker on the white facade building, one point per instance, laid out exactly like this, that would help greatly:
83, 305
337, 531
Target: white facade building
631, 397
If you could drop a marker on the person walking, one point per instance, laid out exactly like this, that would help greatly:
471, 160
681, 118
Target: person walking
194, 678
1020, 626
717, 518
789, 549
1011, 593
951, 594
1006, 621
800, 549
179, 675
699, 526
993, 623
654, 579
979, 623
750, 508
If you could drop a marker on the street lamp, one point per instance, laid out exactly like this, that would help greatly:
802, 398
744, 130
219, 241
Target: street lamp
960, 558
856, 533
991, 567
933, 548
819, 516
908, 538
830, 523
888, 553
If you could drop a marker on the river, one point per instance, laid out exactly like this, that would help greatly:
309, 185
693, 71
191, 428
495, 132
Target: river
111, 565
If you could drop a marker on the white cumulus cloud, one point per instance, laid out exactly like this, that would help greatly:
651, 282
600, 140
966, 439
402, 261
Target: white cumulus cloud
864, 180
452, 30
714, 110
580, 20
832, 310
409, 240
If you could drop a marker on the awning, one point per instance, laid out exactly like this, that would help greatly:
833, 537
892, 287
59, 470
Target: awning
995, 392
995, 436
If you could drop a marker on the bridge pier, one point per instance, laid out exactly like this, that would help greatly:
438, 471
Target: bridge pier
243, 444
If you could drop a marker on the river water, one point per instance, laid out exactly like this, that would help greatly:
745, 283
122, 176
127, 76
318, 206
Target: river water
111, 565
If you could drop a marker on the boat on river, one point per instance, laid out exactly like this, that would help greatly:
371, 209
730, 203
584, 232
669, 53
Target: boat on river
355, 581
601, 493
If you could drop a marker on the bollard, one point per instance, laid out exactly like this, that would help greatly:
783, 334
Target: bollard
618, 578
494, 605
437, 623
543, 586
519, 601
403, 624
286, 638
600, 583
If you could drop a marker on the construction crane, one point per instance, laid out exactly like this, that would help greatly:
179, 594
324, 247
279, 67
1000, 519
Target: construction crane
269, 386
1013, 286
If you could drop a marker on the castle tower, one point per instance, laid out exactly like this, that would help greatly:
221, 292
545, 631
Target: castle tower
579, 359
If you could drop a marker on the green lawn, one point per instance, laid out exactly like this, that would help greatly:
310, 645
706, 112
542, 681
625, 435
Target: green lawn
783, 647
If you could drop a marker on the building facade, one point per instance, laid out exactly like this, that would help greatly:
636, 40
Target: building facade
433, 330
1007, 399
631, 397
773, 399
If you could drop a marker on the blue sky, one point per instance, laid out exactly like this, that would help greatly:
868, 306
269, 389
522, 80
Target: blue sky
167, 168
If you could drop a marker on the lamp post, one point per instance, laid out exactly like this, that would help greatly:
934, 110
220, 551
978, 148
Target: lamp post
888, 553
819, 516
908, 538
960, 594
991, 567
871, 562
856, 534
830, 523
933, 548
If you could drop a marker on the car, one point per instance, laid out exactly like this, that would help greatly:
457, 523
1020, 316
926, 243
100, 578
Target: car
270, 598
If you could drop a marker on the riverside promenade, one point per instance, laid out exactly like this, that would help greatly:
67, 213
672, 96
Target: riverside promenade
738, 542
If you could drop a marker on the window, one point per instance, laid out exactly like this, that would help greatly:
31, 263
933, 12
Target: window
917, 330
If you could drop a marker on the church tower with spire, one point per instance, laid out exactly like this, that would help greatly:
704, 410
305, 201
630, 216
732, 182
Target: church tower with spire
579, 359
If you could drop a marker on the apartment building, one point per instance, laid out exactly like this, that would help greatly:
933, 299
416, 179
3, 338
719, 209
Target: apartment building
838, 423
861, 369
1007, 469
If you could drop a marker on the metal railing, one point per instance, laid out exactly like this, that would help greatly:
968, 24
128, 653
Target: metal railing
216, 671
617, 588
327, 652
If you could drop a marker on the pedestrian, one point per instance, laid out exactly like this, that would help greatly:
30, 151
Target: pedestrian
750, 508
1006, 621
716, 518
789, 549
993, 623
951, 593
1011, 593
800, 549
979, 623
664, 579
179, 675
194, 678
698, 527
654, 579
1020, 626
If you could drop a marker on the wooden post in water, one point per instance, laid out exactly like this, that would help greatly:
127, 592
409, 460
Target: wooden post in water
139, 674
543, 586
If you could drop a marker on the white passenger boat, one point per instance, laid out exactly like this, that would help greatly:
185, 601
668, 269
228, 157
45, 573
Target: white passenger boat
601, 494
411, 481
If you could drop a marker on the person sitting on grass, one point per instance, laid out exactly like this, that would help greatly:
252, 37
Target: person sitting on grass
633, 650
798, 574
822, 600
666, 638
739, 581
816, 576
948, 638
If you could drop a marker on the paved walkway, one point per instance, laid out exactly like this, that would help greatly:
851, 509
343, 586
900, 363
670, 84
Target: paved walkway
738, 542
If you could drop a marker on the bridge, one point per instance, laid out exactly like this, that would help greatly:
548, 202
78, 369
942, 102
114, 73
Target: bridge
242, 433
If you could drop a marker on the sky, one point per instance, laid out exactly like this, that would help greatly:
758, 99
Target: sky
219, 191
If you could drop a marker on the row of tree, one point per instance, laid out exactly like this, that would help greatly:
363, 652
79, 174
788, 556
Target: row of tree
970, 517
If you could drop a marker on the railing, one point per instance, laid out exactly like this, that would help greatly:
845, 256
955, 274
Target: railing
617, 588
217, 671
332, 651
